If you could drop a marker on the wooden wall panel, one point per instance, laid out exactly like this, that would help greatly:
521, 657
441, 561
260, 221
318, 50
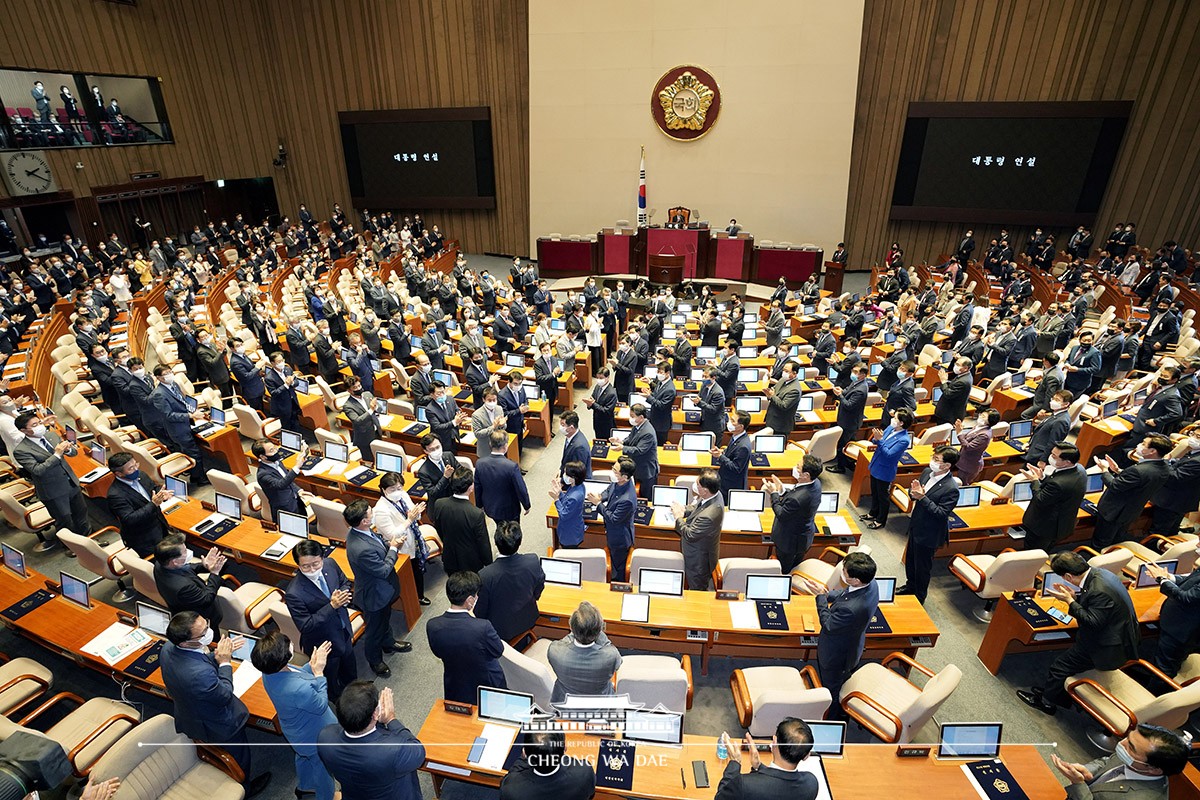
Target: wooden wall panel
239, 77
1147, 51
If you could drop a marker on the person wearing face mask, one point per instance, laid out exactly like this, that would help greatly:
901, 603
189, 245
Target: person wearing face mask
973, 444
733, 463
795, 512
852, 404
181, 586
499, 488
903, 391
200, 685
568, 493
318, 599
616, 506
1181, 493
135, 501
824, 347
1049, 427
1126, 491
889, 446
845, 612
420, 385
376, 586
277, 481
1107, 636
249, 376
178, 415
42, 455
699, 528
624, 367
603, 403
515, 405
1160, 413
575, 443
360, 409
1050, 384
783, 399
468, 646
1138, 769
661, 402
641, 446
956, 391
301, 699
934, 496
845, 361
396, 517
487, 418
1058, 489
280, 381
511, 586
437, 470
1083, 363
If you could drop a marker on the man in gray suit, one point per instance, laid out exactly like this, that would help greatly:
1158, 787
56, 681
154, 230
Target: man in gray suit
42, 454
783, 400
1137, 770
487, 418
584, 661
699, 529
641, 445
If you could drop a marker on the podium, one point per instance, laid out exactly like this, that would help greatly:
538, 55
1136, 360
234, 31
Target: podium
834, 273
690, 243
729, 256
665, 268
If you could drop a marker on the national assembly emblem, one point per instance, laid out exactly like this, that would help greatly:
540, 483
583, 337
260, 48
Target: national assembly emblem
685, 103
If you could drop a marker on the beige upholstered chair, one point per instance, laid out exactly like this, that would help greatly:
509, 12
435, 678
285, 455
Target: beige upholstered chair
244, 608
765, 696
21, 680
525, 673
239, 487
1182, 547
890, 705
253, 425
594, 560
1119, 702
85, 733
823, 444
330, 522
655, 680
158, 468
154, 762
991, 576
1189, 673
142, 573
103, 560
731, 573
1114, 559
935, 433
644, 557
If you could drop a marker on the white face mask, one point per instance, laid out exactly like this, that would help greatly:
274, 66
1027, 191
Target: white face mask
206, 639
897, 424
796, 473
436, 453
1056, 405
394, 494
567, 480
731, 427
167, 379
38, 431
139, 373
938, 467
1193, 443
491, 405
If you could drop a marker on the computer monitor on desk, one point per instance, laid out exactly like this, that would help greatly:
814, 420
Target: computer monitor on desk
664, 496
769, 587
667, 582
972, 740
562, 572
769, 444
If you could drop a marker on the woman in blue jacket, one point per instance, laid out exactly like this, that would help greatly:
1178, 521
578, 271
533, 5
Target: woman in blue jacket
567, 493
890, 445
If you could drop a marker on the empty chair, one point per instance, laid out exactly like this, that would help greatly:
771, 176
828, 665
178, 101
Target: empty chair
1114, 559
253, 425
645, 557
731, 573
330, 522
21, 680
524, 673
33, 518
85, 733
935, 433
159, 468
391, 448
333, 400
823, 444
889, 705
141, 572
239, 487
992, 576
594, 560
655, 680
765, 696
244, 608
1119, 702
100, 559
156, 763
822, 570
1182, 548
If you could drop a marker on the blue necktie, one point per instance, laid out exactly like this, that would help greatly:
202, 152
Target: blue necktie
322, 584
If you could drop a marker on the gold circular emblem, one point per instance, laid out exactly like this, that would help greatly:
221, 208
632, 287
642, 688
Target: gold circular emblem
685, 102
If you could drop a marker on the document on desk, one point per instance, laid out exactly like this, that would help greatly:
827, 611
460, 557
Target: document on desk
333, 468
688, 458
744, 614
244, 676
815, 767
385, 419
167, 505
837, 525
115, 642
94, 475
317, 468
283, 545
810, 416
499, 741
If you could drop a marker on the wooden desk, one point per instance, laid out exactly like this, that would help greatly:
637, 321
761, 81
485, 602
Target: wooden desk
312, 410
1010, 404
64, 628
246, 543
1009, 632
867, 771
225, 443
998, 455
698, 624
395, 431
1097, 437
670, 464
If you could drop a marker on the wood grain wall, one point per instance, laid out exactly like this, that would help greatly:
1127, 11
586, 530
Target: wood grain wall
1147, 51
240, 77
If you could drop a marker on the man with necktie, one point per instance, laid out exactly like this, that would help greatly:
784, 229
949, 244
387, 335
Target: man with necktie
733, 463
575, 444
852, 404
641, 446
699, 528
515, 405
844, 613
934, 496
178, 416
1137, 770
277, 481
616, 505
376, 586
795, 510
249, 376
318, 599
1126, 491
42, 454
823, 348
783, 399
711, 400
134, 500
1083, 364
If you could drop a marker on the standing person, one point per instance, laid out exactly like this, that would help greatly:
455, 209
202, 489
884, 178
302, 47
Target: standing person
462, 526
1058, 489
783, 399
1108, 629
1050, 385
135, 501
178, 416
890, 447
318, 599
42, 454
903, 392
487, 419
514, 405
369, 752
510, 585
783, 778
1049, 427
468, 646
200, 685
852, 404
211, 355
397, 517
444, 417
376, 586
973, 444
575, 444
567, 492
934, 496
280, 381
845, 614
300, 698
436, 472
278, 483
1082, 365
616, 506
661, 403
1181, 493
733, 463
956, 391
711, 400
249, 376
603, 403
1126, 491
699, 528
795, 512
181, 586
499, 488
360, 409
641, 446
584, 661
545, 773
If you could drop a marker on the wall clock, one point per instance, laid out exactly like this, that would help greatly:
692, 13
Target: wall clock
27, 172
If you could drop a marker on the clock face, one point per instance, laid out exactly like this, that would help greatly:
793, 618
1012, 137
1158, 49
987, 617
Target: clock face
28, 173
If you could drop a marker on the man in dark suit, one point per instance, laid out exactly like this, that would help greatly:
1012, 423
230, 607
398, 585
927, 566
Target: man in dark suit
318, 599
616, 506
699, 528
1180, 494
852, 405
824, 347
1049, 428
277, 481
575, 444
733, 463
1108, 628
795, 512
624, 366
200, 685
499, 488
711, 400
999, 344
249, 376
641, 445
783, 399
376, 586
364, 425
1160, 413
513, 402
1126, 491
1179, 619
544, 774
437, 470
178, 416
934, 496
369, 752
211, 355
791, 744
966, 247
727, 371
1050, 384
134, 500
468, 646
1160, 332
180, 585
511, 586
1051, 514
1082, 365
661, 402
41, 453
280, 381
845, 613
462, 526
956, 391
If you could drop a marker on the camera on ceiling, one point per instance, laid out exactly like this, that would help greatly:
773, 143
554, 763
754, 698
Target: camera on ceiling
281, 159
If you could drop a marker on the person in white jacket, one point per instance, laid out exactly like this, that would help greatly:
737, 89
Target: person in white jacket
397, 519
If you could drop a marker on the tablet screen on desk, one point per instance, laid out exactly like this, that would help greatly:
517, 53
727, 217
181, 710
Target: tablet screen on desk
389, 462
98, 453
635, 608
829, 738
968, 497
301, 386
1018, 380
747, 352
743, 500
514, 360
595, 487
291, 441
216, 415
1095, 482
1145, 580
969, 740
696, 374
1109, 409
887, 589
806, 404
563, 572
1019, 430
665, 495
74, 589
176, 486
769, 587
229, 506
688, 404
14, 559
661, 581
659, 727
829, 503
243, 653
501, 705
706, 352
443, 375
1050, 580
152, 618
293, 524
1022, 491
751, 405
696, 442
769, 444
337, 451
747, 375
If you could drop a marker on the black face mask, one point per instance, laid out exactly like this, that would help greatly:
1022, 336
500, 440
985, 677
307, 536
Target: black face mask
276, 456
